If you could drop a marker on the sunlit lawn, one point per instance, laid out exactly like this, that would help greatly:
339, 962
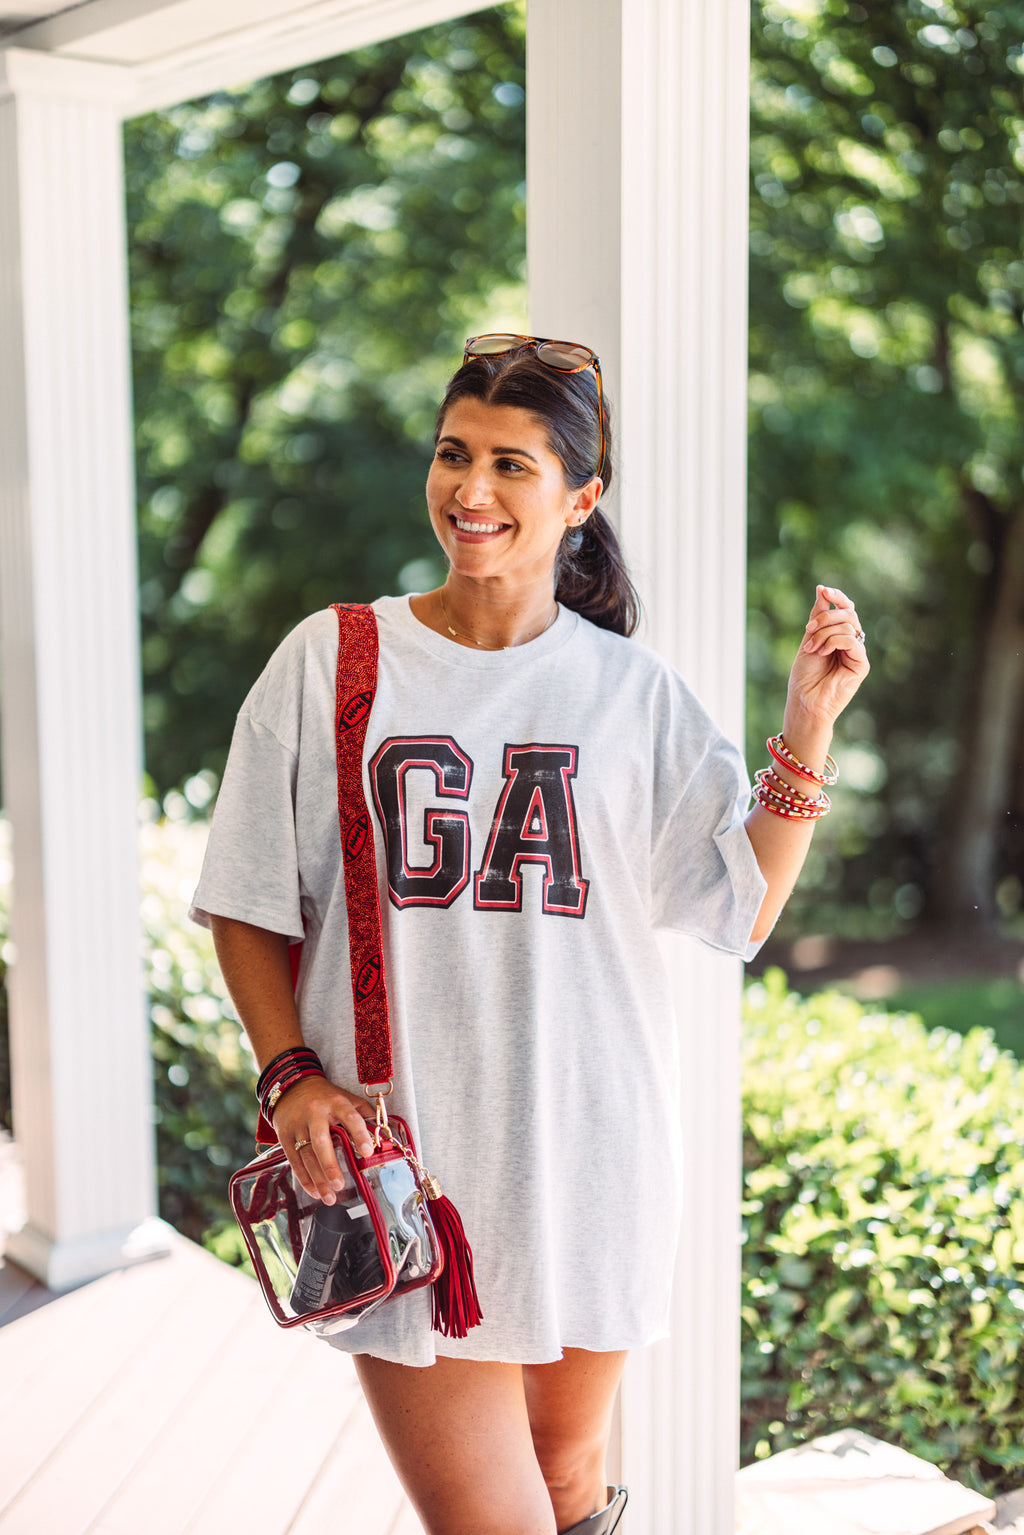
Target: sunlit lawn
995, 1002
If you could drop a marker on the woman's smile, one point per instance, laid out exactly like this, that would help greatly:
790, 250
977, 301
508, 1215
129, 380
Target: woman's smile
475, 528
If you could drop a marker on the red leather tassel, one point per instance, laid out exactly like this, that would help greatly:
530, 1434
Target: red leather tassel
454, 1306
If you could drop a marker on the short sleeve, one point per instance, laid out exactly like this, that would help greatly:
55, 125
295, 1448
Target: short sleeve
705, 882
251, 868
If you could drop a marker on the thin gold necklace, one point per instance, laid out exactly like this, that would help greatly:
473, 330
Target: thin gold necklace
479, 643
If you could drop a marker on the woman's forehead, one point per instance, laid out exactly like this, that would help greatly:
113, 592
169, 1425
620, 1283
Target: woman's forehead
494, 426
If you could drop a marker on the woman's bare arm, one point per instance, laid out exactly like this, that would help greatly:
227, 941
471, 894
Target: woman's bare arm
254, 963
781, 846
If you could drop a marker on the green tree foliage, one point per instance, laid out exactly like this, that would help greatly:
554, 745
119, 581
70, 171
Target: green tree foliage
306, 257
883, 1234
887, 396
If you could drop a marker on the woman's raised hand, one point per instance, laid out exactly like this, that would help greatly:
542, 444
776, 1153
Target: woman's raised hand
831, 663
829, 667
302, 1123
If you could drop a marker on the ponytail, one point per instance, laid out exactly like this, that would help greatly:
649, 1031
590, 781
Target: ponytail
590, 572
591, 577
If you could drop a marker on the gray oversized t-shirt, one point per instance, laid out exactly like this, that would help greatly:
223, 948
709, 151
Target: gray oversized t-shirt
539, 812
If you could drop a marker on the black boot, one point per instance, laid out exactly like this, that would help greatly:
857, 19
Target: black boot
606, 1520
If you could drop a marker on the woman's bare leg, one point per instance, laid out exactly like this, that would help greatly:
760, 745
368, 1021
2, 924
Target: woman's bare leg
570, 1406
459, 1436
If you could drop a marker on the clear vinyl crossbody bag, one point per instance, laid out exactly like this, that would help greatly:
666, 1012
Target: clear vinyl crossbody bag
326, 1267
390, 1229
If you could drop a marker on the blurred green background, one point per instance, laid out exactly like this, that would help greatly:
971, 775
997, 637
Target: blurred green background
886, 388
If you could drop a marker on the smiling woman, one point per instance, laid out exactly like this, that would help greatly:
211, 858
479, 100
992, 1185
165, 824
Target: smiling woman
557, 433
500, 507
549, 793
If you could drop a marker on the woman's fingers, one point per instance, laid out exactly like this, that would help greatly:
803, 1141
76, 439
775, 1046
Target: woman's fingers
844, 634
833, 625
822, 601
315, 1159
303, 1123
318, 1169
832, 660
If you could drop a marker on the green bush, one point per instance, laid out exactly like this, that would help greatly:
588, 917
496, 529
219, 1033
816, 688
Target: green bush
883, 1234
203, 1070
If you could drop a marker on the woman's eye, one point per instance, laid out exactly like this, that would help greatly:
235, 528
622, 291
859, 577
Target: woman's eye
510, 466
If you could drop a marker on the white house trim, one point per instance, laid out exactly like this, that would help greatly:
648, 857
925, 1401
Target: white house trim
81, 1071
637, 243
637, 231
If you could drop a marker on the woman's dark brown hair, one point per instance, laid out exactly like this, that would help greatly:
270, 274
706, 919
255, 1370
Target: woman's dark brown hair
590, 573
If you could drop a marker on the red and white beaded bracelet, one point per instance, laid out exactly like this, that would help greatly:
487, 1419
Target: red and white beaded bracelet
775, 795
785, 758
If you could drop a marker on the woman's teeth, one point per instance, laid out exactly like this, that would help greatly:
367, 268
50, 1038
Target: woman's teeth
477, 527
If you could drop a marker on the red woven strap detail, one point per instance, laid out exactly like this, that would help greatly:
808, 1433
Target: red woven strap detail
356, 685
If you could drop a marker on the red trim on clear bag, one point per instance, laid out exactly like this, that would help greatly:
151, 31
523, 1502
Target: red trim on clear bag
274, 1191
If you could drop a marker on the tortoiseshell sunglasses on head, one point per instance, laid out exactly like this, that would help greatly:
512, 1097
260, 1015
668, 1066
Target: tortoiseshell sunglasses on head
561, 356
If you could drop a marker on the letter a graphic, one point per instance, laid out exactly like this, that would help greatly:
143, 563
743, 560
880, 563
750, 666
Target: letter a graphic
535, 822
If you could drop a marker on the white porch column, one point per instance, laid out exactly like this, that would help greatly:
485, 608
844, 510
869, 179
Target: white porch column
68, 631
637, 244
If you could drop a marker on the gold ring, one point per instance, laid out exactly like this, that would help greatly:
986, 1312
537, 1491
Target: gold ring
299, 1145
859, 635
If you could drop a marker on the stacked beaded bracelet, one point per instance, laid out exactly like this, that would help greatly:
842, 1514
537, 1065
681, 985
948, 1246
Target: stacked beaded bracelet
285, 1071
774, 794
785, 758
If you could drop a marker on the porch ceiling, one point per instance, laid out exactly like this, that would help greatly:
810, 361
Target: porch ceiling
24, 15
177, 49
144, 31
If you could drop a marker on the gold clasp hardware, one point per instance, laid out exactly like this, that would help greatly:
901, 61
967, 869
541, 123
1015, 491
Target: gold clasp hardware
381, 1128
379, 1092
429, 1186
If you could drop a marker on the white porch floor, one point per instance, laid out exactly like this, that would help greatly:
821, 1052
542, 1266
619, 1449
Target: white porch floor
163, 1400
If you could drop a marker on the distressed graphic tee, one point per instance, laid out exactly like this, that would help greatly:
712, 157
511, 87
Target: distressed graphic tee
538, 813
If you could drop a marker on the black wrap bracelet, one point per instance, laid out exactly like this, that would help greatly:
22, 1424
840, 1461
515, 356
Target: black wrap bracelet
283, 1072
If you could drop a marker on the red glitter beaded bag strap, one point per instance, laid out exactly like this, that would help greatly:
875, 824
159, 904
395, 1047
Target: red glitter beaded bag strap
455, 1306
354, 693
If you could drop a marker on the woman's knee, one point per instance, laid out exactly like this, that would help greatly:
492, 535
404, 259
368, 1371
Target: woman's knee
571, 1467
455, 1504
570, 1404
